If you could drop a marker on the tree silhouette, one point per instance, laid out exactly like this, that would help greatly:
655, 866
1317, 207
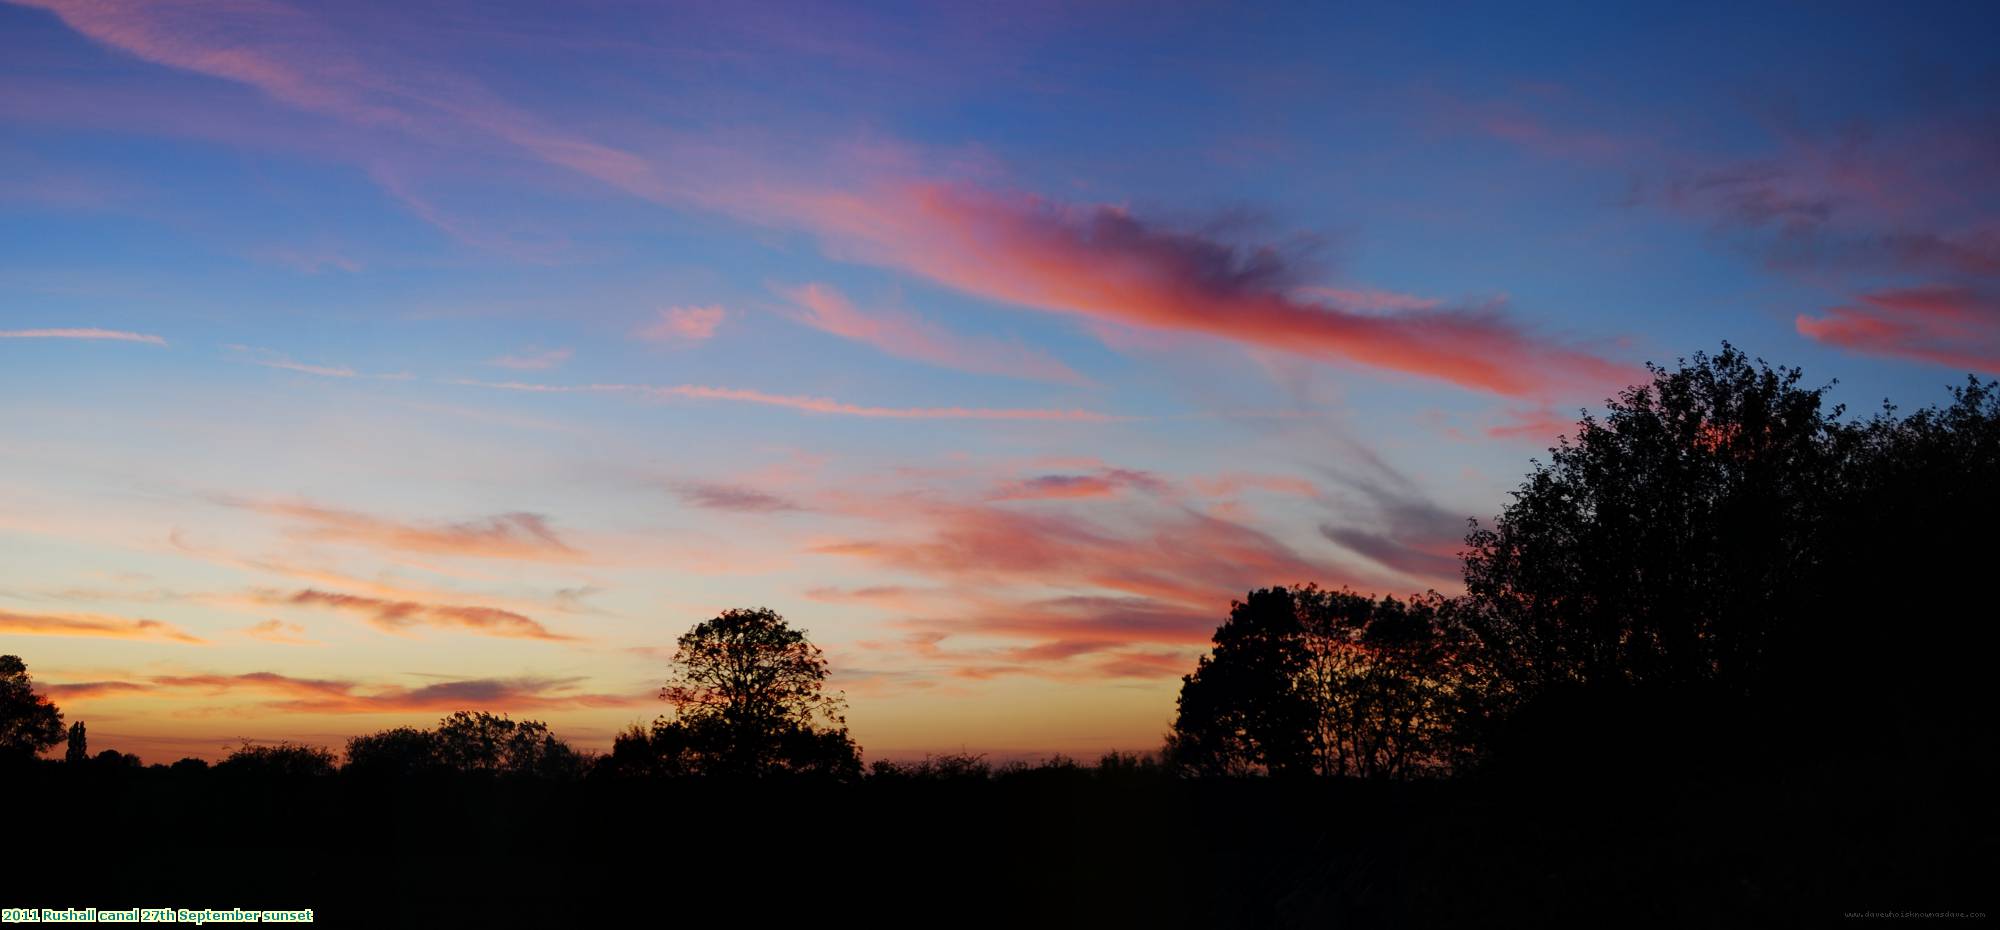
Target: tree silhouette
78, 751
1724, 557
1670, 542
482, 743
398, 752
278, 760
1310, 681
28, 722
466, 743
749, 699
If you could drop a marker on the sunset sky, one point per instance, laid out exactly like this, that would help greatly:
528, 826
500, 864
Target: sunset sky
362, 362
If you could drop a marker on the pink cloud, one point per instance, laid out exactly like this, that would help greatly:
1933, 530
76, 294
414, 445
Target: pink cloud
1371, 298
505, 536
1939, 325
533, 359
683, 324
1104, 483
1542, 425
398, 616
1184, 557
81, 333
905, 336
1105, 264
1229, 484
806, 404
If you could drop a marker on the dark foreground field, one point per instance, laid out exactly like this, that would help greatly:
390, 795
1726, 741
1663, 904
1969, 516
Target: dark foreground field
1694, 847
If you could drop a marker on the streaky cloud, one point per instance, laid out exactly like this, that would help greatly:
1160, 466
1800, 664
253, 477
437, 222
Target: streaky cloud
95, 626
113, 335
907, 336
807, 404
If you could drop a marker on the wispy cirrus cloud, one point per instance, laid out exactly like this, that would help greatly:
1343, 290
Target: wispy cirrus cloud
517, 535
393, 616
1392, 522
112, 335
1100, 262
732, 497
803, 403
1540, 424
272, 358
299, 59
94, 625
908, 336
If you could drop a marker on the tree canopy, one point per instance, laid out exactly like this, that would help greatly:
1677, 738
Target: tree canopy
749, 698
466, 743
29, 724
1310, 681
285, 760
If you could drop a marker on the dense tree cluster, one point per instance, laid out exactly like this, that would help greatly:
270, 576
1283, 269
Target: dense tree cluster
467, 743
1720, 546
1310, 681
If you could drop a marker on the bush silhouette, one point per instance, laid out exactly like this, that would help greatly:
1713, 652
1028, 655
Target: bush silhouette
282, 760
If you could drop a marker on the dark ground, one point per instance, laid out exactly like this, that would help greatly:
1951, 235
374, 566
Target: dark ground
1696, 847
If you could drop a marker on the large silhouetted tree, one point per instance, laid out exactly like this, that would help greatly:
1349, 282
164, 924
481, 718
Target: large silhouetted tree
1310, 681
749, 698
1722, 556
28, 722
1672, 541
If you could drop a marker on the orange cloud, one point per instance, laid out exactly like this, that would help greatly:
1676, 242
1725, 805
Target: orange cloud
399, 616
83, 333
324, 696
683, 324
909, 337
89, 690
278, 631
517, 535
824, 405
94, 625
1103, 263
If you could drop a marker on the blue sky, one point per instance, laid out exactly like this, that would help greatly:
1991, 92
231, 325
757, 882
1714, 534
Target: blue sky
361, 363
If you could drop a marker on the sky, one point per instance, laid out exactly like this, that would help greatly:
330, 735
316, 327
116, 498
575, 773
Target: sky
365, 362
